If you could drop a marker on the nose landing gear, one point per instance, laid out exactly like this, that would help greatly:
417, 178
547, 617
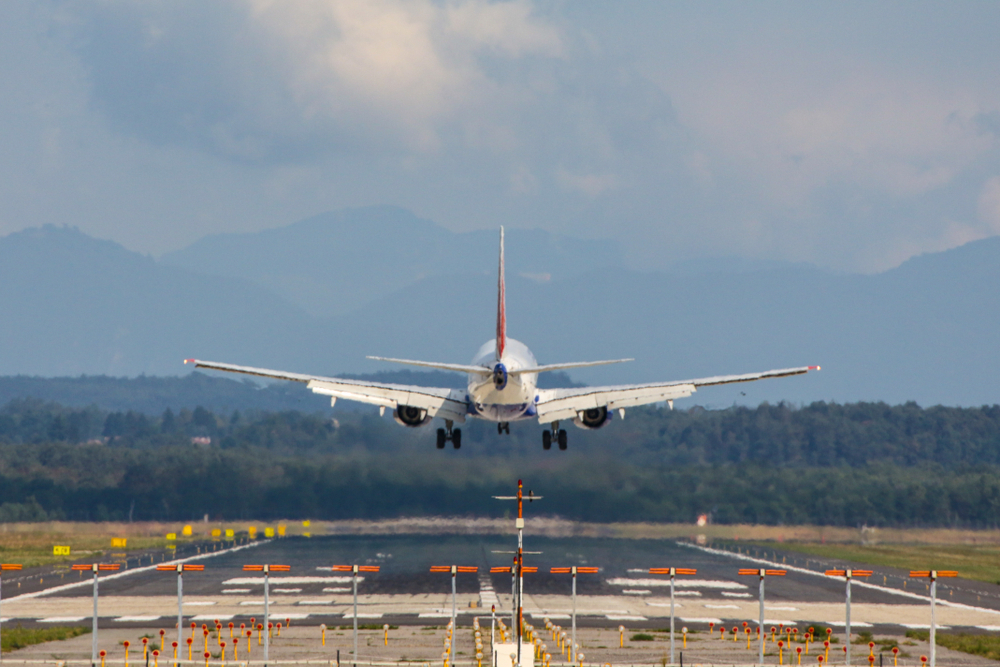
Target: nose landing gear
557, 434
454, 435
503, 427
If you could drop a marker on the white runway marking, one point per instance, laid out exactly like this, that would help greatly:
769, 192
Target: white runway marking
134, 570
427, 614
662, 604
362, 615
921, 626
237, 590
624, 617
989, 628
252, 603
636, 591
721, 606
286, 590
310, 602
856, 582
778, 621
769, 608
297, 616
551, 617
199, 603
136, 619
700, 619
694, 594
678, 583
736, 595
337, 589
259, 581
61, 619
854, 624
212, 617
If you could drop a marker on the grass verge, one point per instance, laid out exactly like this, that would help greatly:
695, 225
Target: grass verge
987, 646
973, 561
18, 637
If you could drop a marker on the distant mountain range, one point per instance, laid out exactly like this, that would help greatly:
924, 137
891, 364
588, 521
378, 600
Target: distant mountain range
319, 295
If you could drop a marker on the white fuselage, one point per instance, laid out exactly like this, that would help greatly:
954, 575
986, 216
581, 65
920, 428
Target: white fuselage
516, 399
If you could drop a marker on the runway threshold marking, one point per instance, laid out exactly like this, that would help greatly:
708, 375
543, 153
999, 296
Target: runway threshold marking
136, 570
854, 582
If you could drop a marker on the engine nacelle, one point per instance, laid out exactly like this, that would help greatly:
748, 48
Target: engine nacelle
407, 415
593, 418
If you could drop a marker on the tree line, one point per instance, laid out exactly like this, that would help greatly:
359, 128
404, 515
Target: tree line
828, 464
817, 435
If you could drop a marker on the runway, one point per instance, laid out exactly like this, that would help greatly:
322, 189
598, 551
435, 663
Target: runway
405, 593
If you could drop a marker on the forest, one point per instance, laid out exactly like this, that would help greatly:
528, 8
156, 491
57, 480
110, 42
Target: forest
825, 463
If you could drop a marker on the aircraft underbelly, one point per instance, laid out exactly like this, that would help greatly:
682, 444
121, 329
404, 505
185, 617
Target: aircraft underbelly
513, 403
503, 413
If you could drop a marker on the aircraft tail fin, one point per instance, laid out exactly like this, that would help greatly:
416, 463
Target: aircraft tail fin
501, 307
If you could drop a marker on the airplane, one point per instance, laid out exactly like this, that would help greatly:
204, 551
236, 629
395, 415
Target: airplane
502, 387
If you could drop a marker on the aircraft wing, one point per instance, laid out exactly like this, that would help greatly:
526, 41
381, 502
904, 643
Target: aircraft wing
438, 401
559, 404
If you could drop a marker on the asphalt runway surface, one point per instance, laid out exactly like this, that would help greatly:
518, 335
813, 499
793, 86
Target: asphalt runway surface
621, 593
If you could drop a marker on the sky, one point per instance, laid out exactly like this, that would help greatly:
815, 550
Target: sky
852, 135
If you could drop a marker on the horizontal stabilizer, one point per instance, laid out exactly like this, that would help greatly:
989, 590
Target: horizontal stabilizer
562, 367
457, 368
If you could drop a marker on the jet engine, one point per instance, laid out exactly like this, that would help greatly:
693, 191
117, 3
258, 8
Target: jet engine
407, 415
593, 418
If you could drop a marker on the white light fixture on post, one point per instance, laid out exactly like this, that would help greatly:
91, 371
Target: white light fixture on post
180, 569
760, 628
933, 575
95, 568
673, 572
848, 575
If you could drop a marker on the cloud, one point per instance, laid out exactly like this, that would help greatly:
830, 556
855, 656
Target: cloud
268, 80
989, 204
591, 185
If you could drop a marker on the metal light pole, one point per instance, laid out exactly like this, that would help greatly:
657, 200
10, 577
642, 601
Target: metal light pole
354, 569
574, 570
848, 575
267, 570
933, 575
762, 573
95, 568
519, 524
673, 572
453, 570
180, 568
3, 568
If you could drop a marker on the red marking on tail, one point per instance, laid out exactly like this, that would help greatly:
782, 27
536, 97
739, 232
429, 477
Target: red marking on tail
501, 307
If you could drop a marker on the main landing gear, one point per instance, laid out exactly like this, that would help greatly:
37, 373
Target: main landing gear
503, 427
455, 435
557, 434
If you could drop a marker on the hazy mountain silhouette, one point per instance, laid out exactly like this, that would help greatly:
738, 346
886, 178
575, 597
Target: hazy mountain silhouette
335, 262
927, 330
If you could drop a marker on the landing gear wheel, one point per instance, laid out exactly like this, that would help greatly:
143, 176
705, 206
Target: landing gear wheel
503, 427
546, 439
562, 439
442, 438
456, 438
